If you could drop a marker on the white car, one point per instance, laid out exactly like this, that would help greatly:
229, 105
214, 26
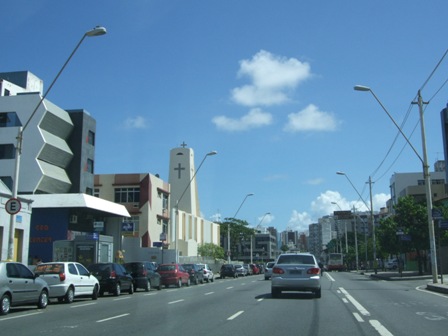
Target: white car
208, 273
67, 280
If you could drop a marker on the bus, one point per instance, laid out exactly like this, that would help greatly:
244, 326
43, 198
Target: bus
335, 262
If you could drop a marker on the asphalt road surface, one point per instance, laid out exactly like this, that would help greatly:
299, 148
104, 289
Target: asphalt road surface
351, 304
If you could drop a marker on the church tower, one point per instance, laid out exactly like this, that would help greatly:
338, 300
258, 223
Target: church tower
182, 170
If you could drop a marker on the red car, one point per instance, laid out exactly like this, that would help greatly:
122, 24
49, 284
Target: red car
173, 274
255, 269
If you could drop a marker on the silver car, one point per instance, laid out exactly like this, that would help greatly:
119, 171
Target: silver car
268, 270
19, 286
296, 272
208, 273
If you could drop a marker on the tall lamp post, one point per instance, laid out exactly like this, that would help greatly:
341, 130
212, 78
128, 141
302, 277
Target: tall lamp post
176, 208
372, 221
426, 175
97, 31
228, 229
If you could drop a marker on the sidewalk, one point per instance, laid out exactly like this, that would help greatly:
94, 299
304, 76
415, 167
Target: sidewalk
410, 275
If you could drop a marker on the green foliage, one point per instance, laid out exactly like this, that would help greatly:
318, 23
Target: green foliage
284, 248
211, 250
239, 231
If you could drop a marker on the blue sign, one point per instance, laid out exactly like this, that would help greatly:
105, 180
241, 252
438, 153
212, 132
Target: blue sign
127, 227
157, 244
443, 224
437, 214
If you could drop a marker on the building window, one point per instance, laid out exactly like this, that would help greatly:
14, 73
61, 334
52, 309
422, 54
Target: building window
89, 191
89, 167
7, 151
438, 181
91, 138
9, 119
7, 92
421, 182
96, 192
127, 195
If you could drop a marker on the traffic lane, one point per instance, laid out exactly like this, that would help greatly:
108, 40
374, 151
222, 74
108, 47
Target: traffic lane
82, 314
398, 305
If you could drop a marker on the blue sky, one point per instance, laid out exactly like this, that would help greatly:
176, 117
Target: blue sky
267, 84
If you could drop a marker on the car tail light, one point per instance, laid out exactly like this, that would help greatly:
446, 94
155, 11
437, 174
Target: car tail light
113, 275
61, 276
205, 271
145, 272
278, 270
313, 270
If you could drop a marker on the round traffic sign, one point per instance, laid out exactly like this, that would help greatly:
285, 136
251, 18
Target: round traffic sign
13, 206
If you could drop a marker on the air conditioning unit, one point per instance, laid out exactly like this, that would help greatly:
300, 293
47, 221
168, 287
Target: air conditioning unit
73, 219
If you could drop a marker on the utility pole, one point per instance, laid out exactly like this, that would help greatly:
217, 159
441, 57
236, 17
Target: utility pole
372, 220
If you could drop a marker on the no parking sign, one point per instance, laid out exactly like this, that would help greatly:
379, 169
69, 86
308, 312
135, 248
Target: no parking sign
13, 206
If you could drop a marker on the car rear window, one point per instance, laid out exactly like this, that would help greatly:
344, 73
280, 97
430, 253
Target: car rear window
296, 259
49, 269
166, 268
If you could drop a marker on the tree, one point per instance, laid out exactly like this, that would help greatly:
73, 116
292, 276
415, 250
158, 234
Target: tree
410, 220
239, 230
211, 250
284, 248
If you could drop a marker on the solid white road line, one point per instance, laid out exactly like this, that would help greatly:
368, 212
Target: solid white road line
177, 301
380, 328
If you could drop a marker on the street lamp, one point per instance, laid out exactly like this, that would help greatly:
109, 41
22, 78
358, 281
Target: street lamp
426, 175
372, 220
97, 31
228, 228
345, 229
176, 208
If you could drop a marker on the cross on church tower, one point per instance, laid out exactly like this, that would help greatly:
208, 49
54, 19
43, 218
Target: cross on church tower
183, 144
179, 168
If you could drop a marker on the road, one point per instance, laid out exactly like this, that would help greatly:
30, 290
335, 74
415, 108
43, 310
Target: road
351, 304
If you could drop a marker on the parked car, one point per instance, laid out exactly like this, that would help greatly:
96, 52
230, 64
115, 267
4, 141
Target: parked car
67, 280
228, 270
391, 264
144, 275
296, 272
255, 269
173, 274
19, 286
196, 273
240, 270
268, 270
208, 273
113, 278
249, 269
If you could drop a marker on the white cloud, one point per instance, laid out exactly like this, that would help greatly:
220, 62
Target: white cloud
137, 122
271, 79
299, 221
323, 206
315, 181
310, 119
255, 118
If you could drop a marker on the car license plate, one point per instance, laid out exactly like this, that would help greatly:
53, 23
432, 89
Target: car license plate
295, 272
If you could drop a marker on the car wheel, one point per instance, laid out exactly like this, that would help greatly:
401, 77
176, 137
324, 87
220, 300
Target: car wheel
195, 281
5, 304
42, 303
117, 291
69, 295
275, 292
318, 293
179, 283
212, 279
95, 293
202, 280
131, 288
147, 286
188, 282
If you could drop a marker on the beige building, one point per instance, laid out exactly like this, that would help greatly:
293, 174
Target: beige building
146, 198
